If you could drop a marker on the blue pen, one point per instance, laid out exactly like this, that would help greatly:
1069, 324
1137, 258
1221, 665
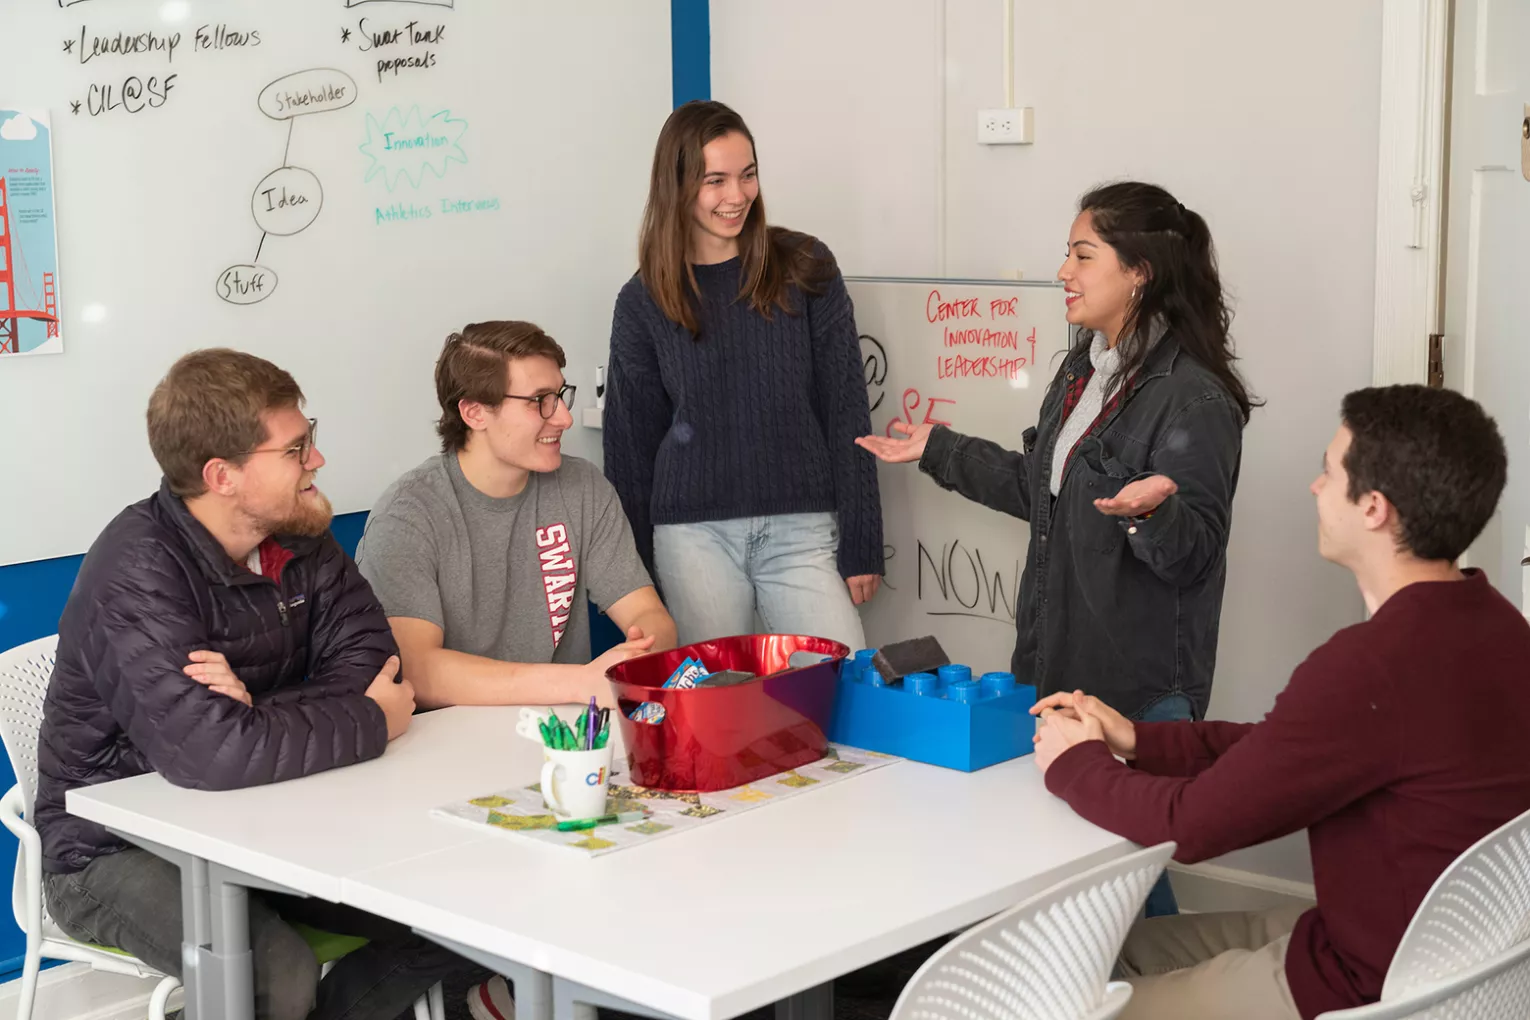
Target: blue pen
589, 726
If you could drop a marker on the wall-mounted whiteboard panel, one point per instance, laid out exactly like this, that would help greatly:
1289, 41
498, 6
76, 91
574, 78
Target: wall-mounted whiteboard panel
978, 357
333, 184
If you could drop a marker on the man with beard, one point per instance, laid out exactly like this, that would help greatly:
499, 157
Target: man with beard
217, 634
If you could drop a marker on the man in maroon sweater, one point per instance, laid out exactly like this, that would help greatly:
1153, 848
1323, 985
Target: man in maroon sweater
1397, 744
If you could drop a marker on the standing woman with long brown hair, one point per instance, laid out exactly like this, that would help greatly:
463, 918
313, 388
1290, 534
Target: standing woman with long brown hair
734, 397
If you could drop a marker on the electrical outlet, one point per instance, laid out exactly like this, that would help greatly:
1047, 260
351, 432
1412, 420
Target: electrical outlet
1005, 127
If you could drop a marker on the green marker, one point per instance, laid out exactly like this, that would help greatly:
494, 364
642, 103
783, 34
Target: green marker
579, 824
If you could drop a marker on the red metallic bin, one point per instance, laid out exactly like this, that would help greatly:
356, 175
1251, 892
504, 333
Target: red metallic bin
717, 738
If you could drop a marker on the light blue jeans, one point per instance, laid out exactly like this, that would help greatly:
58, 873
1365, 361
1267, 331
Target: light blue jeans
716, 577
1173, 708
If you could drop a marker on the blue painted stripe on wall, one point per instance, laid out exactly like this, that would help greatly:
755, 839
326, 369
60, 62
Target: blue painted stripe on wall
32, 595
690, 39
10, 969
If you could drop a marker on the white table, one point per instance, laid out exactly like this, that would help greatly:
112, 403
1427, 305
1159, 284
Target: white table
751, 910
766, 906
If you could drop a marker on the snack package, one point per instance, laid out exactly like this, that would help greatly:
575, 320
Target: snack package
648, 711
683, 678
686, 674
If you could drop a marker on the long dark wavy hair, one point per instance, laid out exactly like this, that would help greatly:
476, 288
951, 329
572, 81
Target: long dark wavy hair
1171, 246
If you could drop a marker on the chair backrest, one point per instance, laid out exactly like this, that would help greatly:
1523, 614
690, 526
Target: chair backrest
24, 674
1049, 958
1477, 909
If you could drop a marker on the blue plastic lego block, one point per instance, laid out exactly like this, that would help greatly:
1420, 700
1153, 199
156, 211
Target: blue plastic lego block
944, 718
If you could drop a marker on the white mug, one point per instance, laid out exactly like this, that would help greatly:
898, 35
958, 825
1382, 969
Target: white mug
574, 782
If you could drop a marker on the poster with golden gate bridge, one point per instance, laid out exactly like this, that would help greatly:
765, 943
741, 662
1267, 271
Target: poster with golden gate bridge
29, 315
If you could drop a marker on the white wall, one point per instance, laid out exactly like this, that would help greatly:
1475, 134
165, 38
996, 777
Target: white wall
1264, 119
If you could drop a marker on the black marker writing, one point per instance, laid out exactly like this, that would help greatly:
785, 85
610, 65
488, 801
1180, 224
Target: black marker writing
958, 572
124, 44
133, 96
874, 365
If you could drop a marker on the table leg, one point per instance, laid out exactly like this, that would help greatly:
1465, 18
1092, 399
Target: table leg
201, 978
226, 967
533, 988
573, 1001
812, 1004
196, 931
217, 969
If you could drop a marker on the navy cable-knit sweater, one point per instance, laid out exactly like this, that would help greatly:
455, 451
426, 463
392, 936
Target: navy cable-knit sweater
756, 417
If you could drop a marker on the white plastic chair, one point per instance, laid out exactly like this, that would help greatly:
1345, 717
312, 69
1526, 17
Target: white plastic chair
1497, 989
1466, 953
24, 674
1049, 958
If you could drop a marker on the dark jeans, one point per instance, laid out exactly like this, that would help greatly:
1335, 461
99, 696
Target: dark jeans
1174, 708
132, 901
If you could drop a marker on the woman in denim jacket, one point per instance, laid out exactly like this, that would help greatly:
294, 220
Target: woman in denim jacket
1127, 480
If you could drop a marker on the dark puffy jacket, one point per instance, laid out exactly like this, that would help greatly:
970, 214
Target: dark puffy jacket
156, 586
1127, 610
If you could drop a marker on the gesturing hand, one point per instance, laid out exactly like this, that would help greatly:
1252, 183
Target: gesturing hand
1139, 497
898, 451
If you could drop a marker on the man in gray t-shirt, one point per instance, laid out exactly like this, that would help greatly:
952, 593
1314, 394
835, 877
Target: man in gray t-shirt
485, 556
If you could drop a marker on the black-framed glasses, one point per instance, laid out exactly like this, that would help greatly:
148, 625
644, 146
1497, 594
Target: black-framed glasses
547, 403
302, 449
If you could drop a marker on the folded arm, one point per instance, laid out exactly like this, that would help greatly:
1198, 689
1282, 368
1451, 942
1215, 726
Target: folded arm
146, 628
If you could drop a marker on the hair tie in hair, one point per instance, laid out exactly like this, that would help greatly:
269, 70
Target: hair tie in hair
453, 338
1179, 221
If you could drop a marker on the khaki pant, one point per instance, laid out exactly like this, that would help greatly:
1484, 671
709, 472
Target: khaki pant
1209, 967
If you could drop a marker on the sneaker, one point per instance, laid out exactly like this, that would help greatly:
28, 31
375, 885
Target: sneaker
491, 1000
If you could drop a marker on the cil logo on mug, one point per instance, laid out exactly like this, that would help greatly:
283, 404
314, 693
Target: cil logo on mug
597, 778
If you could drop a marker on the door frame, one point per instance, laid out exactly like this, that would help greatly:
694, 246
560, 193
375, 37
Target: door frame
1411, 186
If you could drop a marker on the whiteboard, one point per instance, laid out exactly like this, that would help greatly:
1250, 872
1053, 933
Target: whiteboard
333, 184
977, 356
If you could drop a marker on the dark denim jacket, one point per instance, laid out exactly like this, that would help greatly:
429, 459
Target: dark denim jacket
1129, 617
